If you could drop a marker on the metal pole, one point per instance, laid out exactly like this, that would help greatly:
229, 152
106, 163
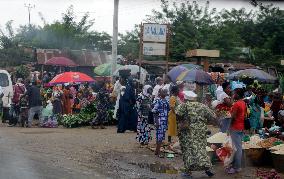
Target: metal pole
114, 36
140, 50
168, 48
29, 7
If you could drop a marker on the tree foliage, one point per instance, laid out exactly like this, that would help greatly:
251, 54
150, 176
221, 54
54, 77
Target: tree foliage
66, 33
230, 31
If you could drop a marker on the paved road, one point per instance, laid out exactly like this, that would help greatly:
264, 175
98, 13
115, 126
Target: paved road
84, 153
17, 163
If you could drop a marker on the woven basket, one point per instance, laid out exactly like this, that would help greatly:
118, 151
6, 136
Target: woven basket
278, 162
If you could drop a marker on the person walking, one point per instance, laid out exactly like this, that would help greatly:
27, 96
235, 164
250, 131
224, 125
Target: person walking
172, 123
143, 104
19, 89
127, 114
35, 103
192, 118
238, 112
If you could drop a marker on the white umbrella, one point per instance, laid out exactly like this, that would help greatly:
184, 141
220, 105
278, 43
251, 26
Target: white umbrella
134, 70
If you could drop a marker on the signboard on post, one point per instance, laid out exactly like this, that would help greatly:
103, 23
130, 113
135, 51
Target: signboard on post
155, 33
158, 49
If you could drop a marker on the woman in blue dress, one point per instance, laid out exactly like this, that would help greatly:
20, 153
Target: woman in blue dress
161, 110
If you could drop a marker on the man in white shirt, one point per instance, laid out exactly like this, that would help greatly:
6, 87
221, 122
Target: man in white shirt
159, 85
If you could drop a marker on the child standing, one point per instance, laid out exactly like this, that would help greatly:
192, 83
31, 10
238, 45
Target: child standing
161, 110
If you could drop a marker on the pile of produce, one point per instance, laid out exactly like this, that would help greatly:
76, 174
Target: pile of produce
85, 116
256, 142
272, 174
277, 147
267, 143
217, 138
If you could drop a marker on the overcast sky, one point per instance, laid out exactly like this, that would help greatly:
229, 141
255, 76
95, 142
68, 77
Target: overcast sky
131, 12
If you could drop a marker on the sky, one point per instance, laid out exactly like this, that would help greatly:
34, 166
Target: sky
131, 12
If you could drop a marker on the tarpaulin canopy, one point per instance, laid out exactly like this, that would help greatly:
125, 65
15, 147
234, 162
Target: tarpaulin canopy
104, 69
61, 61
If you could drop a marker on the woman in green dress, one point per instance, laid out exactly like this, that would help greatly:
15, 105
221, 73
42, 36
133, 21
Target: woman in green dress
192, 118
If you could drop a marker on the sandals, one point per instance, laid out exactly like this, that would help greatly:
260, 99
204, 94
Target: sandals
209, 173
186, 176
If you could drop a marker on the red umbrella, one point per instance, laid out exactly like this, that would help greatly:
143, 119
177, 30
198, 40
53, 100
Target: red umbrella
61, 61
71, 77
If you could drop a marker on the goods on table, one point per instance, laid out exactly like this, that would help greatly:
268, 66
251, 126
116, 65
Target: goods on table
252, 142
277, 147
217, 138
247, 145
267, 143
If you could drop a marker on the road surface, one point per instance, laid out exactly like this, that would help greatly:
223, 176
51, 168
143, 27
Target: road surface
36, 153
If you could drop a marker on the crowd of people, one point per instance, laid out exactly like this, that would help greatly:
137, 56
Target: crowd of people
166, 109
33, 98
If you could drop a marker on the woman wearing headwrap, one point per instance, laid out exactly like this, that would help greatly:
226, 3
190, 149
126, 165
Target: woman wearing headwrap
192, 117
172, 122
143, 104
127, 114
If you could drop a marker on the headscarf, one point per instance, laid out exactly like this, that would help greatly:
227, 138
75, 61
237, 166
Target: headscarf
190, 95
145, 90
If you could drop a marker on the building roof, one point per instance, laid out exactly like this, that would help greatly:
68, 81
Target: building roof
80, 57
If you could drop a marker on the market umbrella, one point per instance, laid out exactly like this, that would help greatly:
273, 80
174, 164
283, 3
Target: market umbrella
61, 61
177, 70
104, 69
190, 66
257, 74
71, 77
198, 76
134, 69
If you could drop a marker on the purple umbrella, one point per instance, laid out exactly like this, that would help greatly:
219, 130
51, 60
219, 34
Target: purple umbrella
197, 76
176, 71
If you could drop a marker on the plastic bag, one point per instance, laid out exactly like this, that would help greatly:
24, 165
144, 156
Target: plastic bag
227, 152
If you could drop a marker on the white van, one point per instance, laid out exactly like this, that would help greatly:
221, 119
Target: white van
7, 86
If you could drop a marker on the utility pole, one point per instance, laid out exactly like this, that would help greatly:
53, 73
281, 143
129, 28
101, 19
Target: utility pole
114, 36
29, 7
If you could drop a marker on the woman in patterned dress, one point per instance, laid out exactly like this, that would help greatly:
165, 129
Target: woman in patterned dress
192, 128
143, 103
161, 110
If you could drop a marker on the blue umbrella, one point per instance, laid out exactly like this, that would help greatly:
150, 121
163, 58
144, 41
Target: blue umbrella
259, 75
197, 76
177, 70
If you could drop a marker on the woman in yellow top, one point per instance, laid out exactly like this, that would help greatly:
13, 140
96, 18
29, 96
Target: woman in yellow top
172, 123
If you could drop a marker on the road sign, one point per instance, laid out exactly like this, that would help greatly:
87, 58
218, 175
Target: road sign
154, 49
155, 33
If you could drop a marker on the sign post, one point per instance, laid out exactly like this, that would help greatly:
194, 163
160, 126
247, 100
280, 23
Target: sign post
154, 41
